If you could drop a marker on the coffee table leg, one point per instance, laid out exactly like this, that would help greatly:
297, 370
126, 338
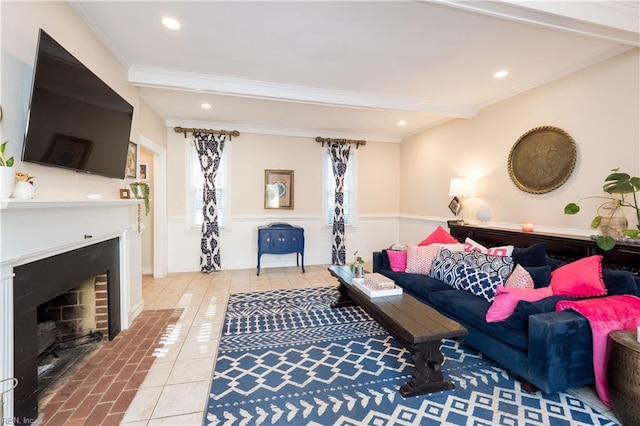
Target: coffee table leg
343, 299
427, 376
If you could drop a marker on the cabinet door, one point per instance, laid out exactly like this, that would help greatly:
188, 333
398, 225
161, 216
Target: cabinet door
265, 241
282, 243
297, 241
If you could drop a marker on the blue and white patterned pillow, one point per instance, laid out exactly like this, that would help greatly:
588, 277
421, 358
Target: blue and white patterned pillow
499, 265
478, 282
443, 266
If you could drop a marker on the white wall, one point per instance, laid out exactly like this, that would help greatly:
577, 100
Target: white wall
250, 154
21, 22
598, 106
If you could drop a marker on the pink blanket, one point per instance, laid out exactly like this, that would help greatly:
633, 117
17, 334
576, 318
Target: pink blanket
605, 314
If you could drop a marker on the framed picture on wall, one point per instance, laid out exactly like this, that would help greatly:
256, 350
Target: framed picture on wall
278, 189
132, 161
142, 171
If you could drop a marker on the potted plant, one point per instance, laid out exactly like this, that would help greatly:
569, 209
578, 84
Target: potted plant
623, 190
23, 187
7, 173
140, 190
357, 267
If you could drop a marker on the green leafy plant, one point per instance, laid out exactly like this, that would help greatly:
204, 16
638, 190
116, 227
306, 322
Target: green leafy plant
5, 162
140, 190
624, 194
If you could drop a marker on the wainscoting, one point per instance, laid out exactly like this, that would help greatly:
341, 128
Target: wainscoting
239, 241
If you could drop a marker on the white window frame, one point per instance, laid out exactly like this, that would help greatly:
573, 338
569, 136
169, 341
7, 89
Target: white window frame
350, 186
193, 194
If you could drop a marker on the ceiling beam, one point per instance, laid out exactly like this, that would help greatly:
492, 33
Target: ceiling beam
175, 80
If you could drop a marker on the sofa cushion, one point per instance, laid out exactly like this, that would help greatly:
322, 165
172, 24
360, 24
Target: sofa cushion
619, 282
478, 282
468, 308
506, 300
420, 258
581, 278
471, 245
519, 278
444, 266
416, 284
519, 320
541, 275
384, 260
498, 265
535, 255
438, 236
397, 260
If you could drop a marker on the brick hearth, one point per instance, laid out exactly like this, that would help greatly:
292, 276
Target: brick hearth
101, 390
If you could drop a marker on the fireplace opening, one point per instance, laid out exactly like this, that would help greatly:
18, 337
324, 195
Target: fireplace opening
71, 326
35, 285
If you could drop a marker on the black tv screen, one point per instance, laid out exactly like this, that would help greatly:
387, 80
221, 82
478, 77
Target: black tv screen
75, 120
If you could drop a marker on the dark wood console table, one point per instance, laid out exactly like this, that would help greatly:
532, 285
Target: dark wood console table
417, 326
566, 247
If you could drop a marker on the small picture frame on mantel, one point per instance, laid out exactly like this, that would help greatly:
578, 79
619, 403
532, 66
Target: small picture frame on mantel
125, 194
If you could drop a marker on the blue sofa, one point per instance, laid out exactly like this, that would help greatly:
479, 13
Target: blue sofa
550, 350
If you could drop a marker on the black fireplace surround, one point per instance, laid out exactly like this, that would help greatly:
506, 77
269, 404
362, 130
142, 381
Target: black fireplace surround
42, 280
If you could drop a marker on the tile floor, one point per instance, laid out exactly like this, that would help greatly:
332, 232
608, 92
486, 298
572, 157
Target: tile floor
176, 387
174, 390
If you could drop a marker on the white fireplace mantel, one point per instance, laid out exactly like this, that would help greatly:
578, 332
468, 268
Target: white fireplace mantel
32, 230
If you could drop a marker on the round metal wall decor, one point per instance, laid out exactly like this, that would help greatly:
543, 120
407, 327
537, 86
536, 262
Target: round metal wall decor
542, 159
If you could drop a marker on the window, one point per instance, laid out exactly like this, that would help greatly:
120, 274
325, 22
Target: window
195, 184
349, 189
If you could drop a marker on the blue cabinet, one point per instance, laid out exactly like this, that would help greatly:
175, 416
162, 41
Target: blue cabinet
281, 238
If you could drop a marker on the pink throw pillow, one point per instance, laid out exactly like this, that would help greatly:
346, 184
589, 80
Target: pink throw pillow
420, 258
439, 236
582, 278
507, 299
397, 260
519, 278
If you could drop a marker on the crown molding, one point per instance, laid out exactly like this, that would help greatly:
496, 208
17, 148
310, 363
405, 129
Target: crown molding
613, 21
281, 131
194, 82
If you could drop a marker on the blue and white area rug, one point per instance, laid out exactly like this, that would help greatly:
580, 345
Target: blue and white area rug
286, 357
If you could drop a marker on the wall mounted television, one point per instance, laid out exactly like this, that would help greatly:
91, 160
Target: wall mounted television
75, 121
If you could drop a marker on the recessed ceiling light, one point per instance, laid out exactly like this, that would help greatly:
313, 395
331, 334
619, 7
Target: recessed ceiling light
171, 23
501, 74
205, 105
402, 123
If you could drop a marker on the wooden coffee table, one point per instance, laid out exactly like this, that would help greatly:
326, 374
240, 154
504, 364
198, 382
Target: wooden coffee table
417, 326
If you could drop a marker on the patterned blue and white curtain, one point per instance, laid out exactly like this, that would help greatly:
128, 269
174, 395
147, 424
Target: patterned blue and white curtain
339, 153
209, 148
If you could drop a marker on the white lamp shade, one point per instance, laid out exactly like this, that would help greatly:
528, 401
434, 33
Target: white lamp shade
464, 187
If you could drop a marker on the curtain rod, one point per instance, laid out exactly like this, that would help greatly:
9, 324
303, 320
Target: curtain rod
184, 130
330, 140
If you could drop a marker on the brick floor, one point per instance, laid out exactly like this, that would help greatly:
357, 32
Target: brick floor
101, 390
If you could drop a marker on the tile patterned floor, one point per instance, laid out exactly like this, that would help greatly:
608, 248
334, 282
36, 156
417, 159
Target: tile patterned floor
170, 384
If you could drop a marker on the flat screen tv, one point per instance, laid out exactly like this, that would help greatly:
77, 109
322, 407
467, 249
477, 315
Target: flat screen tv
75, 120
